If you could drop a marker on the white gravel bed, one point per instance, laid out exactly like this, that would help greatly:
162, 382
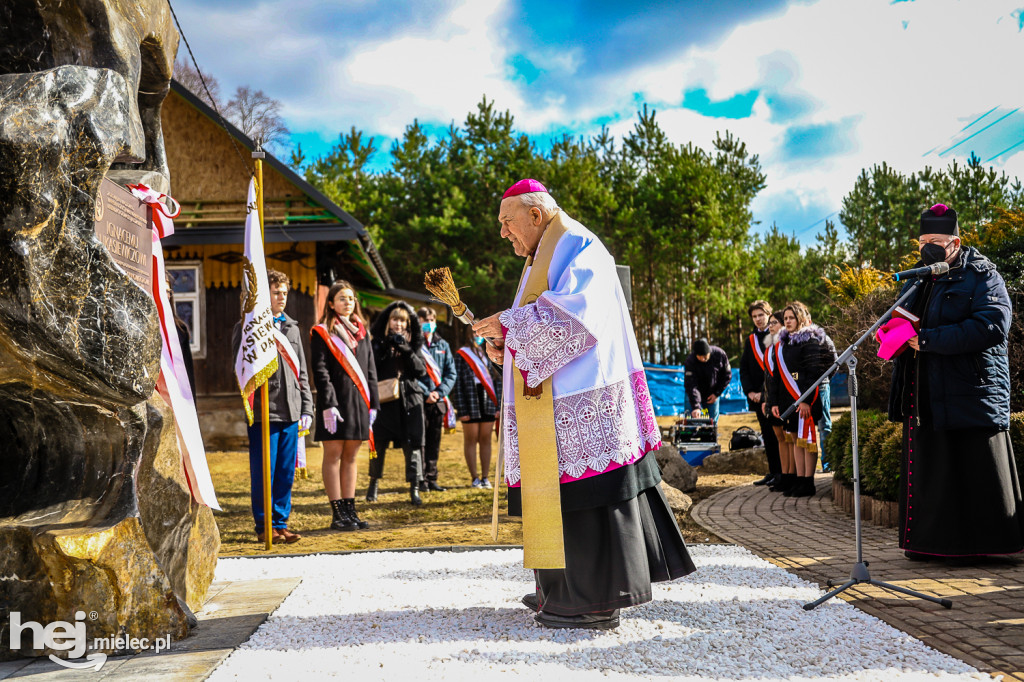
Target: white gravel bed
456, 615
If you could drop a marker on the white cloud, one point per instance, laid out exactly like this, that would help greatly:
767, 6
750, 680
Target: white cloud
907, 88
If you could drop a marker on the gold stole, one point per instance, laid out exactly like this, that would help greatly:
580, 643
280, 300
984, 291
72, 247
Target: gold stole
543, 545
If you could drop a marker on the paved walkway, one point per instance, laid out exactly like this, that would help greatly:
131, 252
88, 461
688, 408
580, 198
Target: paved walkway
811, 538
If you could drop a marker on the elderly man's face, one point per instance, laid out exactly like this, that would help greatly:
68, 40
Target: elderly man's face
521, 225
950, 244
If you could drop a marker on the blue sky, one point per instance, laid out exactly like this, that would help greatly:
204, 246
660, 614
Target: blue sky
819, 89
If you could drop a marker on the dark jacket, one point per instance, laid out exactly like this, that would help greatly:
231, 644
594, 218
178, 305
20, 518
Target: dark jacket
289, 398
965, 323
334, 388
751, 371
706, 378
402, 420
443, 356
806, 354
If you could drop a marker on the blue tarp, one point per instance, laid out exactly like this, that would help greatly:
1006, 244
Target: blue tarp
668, 392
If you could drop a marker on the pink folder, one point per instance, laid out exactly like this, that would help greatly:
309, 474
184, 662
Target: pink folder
893, 336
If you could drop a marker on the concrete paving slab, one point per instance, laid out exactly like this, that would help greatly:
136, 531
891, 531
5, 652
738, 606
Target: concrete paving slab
230, 615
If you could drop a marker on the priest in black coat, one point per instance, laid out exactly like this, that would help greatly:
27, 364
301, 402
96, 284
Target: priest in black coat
959, 492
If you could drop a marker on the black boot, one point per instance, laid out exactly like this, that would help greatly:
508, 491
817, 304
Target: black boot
414, 494
784, 484
371, 490
350, 509
806, 488
341, 520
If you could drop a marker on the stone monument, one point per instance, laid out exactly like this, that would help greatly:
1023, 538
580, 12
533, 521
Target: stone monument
95, 514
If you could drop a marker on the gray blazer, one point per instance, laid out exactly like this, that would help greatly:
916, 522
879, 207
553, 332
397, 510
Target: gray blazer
289, 398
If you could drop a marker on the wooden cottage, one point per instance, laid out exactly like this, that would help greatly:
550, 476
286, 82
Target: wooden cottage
307, 236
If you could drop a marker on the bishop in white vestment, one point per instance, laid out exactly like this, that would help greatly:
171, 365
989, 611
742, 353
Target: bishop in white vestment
578, 426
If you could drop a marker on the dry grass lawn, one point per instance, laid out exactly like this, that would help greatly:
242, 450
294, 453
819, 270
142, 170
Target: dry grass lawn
459, 516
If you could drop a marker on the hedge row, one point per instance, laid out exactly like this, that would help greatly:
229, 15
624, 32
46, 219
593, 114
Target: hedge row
881, 447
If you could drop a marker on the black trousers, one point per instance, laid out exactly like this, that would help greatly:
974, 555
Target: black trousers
432, 449
413, 461
771, 443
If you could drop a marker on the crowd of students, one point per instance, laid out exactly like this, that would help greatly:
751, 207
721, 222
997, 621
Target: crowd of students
396, 383
782, 357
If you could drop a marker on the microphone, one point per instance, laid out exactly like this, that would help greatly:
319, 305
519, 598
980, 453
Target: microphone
934, 269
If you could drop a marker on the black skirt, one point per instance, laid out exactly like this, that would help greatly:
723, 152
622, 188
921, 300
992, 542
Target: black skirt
612, 555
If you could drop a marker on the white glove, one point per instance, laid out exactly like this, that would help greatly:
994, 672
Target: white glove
305, 421
373, 416
331, 419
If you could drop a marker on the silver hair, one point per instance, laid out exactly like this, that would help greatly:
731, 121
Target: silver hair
542, 200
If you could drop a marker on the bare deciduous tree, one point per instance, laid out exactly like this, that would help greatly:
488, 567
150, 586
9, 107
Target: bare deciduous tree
189, 76
258, 115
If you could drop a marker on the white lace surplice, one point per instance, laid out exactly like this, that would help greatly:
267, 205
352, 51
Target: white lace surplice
579, 332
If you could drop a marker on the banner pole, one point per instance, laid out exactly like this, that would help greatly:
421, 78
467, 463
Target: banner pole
259, 155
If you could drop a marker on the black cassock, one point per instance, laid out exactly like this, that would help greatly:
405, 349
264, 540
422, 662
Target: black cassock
959, 493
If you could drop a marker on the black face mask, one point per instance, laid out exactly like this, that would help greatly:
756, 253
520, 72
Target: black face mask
932, 253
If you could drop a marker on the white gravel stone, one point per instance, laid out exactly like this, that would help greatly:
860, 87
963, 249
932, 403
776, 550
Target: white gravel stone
456, 615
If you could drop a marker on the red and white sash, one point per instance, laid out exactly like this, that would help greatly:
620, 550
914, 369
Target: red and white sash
769, 358
434, 372
755, 345
787, 377
480, 370
807, 434
343, 354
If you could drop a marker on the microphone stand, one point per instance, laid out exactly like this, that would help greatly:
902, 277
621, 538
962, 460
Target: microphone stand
859, 574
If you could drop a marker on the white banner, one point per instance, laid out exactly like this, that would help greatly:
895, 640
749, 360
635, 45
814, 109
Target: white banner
257, 354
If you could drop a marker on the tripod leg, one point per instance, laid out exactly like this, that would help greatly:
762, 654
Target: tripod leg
911, 593
817, 602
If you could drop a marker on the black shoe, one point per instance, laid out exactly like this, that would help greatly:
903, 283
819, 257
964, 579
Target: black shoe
808, 489
784, 483
371, 490
767, 480
341, 520
531, 602
414, 494
423, 486
350, 509
608, 620
432, 485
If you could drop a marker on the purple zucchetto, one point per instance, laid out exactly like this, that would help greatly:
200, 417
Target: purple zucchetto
940, 219
523, 187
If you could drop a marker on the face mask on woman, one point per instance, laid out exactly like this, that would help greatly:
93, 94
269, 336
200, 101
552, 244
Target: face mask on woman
478, 340
429, 327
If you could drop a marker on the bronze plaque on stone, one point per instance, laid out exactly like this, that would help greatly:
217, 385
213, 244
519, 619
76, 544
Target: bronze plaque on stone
122, 225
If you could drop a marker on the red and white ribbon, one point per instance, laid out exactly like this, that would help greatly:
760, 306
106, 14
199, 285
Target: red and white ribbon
769, 358
347, 359
173, 385
480, 370
755, 345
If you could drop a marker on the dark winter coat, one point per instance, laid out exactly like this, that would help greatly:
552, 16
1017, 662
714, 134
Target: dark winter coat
334, 388
444, 357
806, 354
706, 378
400, 421
965, 324
288, 398
751, 370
